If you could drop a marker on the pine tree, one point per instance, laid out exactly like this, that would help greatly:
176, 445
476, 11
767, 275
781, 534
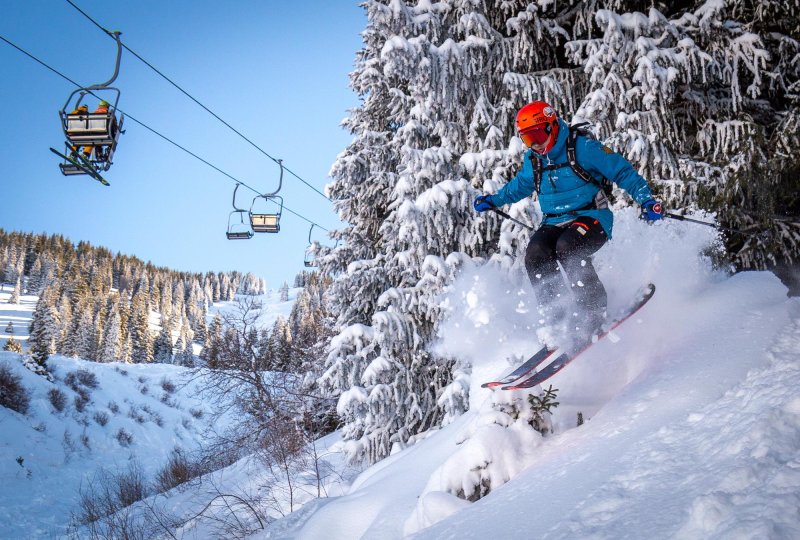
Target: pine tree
440, 84
211, 348
110, 349
139, 329
16, 292
162, 346
283, 292
13, 345
10, 328
280, 346
44, 328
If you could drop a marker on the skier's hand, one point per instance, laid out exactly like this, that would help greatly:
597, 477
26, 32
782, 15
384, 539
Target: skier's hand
483, 203
652, 210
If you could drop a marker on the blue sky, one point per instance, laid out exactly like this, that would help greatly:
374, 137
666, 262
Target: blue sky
276, 71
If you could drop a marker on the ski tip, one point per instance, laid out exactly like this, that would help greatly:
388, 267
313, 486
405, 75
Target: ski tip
490, 385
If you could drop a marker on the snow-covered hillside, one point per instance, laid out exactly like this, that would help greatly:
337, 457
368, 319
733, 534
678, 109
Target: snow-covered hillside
113, 416
691, 421
691, 418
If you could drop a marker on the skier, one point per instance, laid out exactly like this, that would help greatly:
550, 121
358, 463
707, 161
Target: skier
87, 150
568, 170
102, 151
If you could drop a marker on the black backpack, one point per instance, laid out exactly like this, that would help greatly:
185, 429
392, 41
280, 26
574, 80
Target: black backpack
581, 129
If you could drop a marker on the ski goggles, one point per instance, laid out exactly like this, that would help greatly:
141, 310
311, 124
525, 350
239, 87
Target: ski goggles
536, 135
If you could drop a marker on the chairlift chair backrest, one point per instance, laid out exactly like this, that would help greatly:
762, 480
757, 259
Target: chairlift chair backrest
267, 222
263, 222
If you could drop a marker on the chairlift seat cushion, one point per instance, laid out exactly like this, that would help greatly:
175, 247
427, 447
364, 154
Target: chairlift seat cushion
90, 128
268, 223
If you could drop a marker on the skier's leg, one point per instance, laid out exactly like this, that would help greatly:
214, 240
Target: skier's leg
574, 249
544, 274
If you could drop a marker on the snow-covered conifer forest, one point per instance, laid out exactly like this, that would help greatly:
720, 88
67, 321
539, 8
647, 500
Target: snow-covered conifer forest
350, 405
701, 96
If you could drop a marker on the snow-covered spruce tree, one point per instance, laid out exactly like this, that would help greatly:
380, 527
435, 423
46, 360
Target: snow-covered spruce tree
162, 346
440, 83
16, 292
139, 329
703, 100
45, 327
110, 346
13, 345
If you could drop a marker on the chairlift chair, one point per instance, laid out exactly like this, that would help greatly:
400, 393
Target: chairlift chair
308, 260
241, 230
268, 222
100, 131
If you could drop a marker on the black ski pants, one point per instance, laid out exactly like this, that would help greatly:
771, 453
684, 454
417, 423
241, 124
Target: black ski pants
573, 246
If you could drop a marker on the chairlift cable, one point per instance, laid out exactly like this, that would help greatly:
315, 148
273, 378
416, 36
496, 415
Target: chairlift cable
152, 130
187, 94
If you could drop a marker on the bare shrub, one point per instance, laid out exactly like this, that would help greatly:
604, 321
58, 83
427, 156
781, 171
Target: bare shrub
13, 394
168, 386
58, 399
81, 377
101, 418
124, 438
87, 378
103, 506
85, 440
80, 402
178, 470
135, 414
113, 407
196, 413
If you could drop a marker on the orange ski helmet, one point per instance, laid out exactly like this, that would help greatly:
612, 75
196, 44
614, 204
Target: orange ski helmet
537, 125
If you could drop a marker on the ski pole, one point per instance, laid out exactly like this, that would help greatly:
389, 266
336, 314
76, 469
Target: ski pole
707, 224
518, 222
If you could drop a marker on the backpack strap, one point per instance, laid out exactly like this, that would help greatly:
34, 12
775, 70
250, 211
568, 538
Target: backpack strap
572, 161
572, 155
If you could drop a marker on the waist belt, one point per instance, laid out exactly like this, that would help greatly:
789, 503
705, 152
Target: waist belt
591, 206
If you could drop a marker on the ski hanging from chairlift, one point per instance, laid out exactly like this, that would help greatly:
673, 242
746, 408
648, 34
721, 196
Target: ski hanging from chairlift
91, 137
264, 221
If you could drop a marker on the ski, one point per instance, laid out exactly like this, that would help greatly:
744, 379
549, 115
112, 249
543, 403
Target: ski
83, 164
526, 367
576, 349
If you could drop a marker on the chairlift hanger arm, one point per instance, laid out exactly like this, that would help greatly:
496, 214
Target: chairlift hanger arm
115, 35
280, 182
235, 208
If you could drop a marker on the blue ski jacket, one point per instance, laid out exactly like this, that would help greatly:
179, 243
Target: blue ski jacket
562, 193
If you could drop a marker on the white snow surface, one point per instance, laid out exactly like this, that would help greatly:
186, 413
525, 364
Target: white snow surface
692, 420
692, 417
46, 455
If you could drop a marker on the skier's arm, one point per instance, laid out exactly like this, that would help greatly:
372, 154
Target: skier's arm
600, 160
517, 188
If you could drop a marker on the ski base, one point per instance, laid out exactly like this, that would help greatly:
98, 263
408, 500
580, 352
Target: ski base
526, 367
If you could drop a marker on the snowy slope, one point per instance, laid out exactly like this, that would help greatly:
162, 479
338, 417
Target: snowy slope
692, 417
46, 455
60, 450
